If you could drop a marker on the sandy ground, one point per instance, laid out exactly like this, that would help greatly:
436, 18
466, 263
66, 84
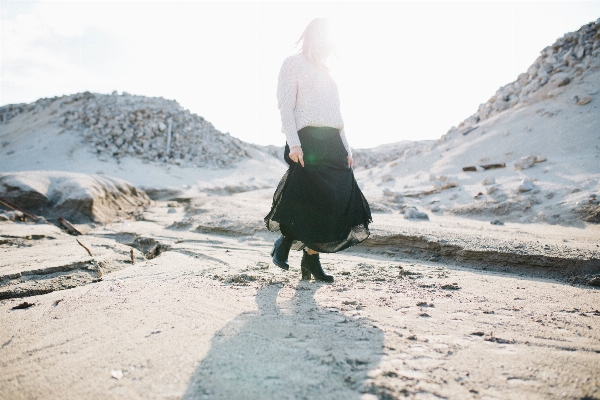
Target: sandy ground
212, 318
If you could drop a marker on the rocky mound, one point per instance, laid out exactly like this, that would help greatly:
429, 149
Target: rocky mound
530, 154
79, 198
368, 158
150, 128
567, 58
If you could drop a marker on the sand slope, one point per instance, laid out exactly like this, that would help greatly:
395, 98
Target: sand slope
566, 134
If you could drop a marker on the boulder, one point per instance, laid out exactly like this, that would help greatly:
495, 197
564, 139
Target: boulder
413, 213
80, 198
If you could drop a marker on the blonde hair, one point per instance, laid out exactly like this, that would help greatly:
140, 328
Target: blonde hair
317, 44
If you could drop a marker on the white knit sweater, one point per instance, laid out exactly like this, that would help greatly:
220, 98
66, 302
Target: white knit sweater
307, 96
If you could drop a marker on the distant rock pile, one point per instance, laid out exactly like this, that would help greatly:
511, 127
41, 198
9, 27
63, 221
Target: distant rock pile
150, 128
369, 158
139, 126
567, 58
10, 111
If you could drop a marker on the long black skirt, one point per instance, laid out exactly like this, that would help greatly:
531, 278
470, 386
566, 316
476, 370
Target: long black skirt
320, 205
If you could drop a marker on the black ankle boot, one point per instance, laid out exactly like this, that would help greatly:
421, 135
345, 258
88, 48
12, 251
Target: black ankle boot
312, 265
280, 252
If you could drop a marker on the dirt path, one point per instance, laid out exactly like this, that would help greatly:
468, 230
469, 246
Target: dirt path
221, 322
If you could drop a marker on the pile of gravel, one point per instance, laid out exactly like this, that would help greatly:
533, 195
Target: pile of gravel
138, 126
116, 126
567, 58
369, 158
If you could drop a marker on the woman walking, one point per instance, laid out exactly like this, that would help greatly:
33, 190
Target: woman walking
318, 206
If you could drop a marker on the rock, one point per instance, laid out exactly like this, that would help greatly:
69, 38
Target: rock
595, 281
539, 158
492, 189
12, 216
171, 210
392, 195
564, 81
584, 100
413, 213
525, 162
497, 222
435, 208
488, 181
79, 198
117, 374
525, 186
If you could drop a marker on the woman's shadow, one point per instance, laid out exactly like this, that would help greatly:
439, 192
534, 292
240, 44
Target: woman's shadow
292, 351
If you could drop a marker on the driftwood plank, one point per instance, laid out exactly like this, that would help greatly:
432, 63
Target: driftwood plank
485, 167
8, 204
67, 225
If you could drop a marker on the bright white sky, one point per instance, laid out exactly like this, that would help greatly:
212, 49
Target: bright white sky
406, 70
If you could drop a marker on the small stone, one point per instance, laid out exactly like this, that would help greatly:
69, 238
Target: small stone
525, 162
564, 81
117, 374
595, 281
540, 158
525, 186
497, 222
488, 181
492, 189
584, 100
413, 213
435, 208
171, 210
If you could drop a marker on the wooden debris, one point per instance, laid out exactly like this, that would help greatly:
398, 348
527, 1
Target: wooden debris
23, 305
8, 204
132, 258
67, 225
86, 249
470, 130
485, 167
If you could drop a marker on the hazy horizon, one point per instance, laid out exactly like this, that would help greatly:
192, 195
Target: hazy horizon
406, 70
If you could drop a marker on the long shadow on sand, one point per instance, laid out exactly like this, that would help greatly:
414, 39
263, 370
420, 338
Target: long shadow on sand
292, 351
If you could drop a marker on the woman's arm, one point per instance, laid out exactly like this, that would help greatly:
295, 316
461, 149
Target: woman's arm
348, 149
287, 88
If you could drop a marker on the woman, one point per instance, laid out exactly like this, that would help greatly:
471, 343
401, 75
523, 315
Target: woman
318, 207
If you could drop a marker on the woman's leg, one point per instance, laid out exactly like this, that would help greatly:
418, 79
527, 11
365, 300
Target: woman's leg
281, 248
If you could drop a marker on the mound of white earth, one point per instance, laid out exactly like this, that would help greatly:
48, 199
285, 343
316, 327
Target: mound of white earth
79, 198
530, 154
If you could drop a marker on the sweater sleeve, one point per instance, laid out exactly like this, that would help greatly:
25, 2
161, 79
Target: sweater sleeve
345, 141
287, 88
